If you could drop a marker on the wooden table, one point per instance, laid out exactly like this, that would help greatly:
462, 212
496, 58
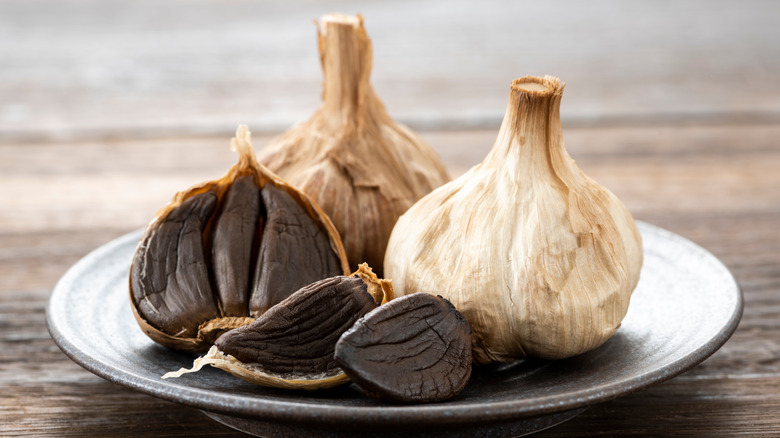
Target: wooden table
108, 108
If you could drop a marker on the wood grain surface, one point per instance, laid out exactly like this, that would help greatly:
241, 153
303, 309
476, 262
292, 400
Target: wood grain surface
108, 108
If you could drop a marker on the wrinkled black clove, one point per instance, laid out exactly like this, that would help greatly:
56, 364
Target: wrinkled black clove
298, 336
414, 349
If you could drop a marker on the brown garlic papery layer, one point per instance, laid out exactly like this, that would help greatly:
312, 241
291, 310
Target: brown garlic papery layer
223, 252
363, 169
292, 344
539, 258
414, 349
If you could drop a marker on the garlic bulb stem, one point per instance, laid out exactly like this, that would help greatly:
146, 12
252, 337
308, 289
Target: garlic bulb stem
527, 136
346, 58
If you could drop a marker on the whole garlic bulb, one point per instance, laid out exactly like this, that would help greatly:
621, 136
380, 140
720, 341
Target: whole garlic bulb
363, 169
539, 258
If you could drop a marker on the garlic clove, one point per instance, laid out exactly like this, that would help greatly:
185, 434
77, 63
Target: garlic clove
363, 169
235, 230
539, 258
415, 349
294, 251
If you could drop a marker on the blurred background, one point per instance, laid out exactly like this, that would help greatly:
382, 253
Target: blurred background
76, 74
108, 107
89, 68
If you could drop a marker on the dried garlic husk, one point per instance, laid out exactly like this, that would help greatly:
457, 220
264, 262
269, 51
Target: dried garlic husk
539, 258
363, 169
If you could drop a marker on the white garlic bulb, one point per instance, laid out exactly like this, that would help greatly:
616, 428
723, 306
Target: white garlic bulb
539, 258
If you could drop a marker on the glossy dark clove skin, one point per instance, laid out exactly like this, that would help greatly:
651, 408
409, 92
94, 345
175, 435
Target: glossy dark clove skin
169, 279
294, 252
298, 336
236, 230
414, 349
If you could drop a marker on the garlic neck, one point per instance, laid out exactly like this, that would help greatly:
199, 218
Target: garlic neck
346, 58
530, 142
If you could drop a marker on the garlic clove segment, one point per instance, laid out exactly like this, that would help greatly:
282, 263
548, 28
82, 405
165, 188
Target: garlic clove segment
538, 257
363, 169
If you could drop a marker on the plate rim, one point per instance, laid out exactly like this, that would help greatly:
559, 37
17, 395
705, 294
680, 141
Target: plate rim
284, 411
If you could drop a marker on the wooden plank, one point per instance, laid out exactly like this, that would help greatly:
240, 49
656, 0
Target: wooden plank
725, 408
90, 68
99, 408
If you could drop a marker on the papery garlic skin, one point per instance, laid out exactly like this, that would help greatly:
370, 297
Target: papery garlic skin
539, 258
363, 169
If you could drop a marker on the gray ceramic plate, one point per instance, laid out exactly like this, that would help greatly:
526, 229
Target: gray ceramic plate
686, 306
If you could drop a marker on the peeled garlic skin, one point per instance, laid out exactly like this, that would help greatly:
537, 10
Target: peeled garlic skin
539, 258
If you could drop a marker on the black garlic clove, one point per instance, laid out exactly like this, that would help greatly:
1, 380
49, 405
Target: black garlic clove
295, 251
414, 349
169, 277
237, 228
298, 335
